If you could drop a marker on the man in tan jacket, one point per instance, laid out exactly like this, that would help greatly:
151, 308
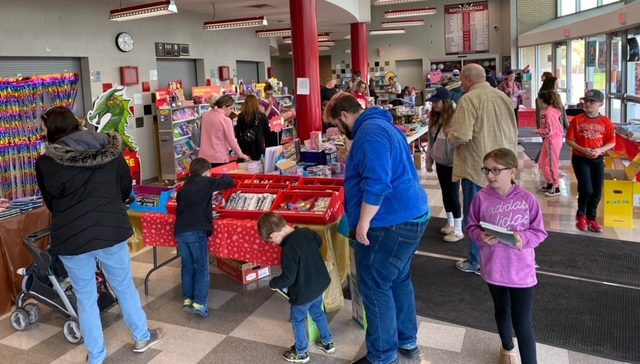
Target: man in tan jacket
483, 121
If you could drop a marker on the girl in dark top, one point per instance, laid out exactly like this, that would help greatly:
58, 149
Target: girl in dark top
252, 128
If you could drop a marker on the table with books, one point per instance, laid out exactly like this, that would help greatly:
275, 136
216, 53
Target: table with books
316, 203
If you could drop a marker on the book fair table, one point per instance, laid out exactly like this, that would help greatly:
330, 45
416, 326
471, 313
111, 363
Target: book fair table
14, 256
239, 239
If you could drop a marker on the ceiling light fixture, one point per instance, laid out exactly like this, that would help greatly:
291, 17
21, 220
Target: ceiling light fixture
402, 23
409, 12
143, 11
322, 37
393, 2
386, 31
235, 23
324, 48
328, 43
284, 32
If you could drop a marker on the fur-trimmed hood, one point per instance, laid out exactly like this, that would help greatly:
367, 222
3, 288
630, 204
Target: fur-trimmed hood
85, 149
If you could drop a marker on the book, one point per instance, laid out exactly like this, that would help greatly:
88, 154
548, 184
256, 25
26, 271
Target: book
284, 292
506, 237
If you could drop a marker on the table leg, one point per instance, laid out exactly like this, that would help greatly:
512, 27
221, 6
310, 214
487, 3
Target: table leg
157, 266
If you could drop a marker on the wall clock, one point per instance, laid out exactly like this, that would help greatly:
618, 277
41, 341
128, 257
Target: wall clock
124, 42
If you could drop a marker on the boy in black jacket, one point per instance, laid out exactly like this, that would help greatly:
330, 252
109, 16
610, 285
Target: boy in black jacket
194, 225
304, 277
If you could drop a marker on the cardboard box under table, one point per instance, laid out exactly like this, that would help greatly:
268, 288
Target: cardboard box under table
242, 271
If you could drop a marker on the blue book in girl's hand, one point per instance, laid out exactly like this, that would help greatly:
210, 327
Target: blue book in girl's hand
506, 237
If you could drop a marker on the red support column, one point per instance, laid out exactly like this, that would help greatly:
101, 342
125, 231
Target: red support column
360, 49
306, 64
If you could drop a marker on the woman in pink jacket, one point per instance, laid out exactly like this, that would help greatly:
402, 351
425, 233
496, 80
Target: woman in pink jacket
217, 133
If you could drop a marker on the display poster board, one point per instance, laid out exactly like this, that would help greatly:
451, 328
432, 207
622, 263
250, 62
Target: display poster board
466, 28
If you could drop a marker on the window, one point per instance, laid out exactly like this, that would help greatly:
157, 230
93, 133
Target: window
588, 4
566, 7
616, 110
561, 70
615, 83
528, 58
577, 79
596, 71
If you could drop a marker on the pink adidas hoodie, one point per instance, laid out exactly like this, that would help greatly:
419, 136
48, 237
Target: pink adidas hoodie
517, 211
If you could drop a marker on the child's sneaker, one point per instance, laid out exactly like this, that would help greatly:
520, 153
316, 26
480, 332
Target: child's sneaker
292, 357
545, 188
447, 229
186, 304
553, 192
581, 223
508, 356
155, 335
594, 226
327, 348
198, 309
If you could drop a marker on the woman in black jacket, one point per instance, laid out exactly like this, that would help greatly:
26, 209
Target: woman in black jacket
84, 181
252, 128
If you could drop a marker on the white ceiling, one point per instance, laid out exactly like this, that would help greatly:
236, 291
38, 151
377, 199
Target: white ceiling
331, 18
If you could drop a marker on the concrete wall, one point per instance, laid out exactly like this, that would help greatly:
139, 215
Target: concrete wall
79, 28
533, 13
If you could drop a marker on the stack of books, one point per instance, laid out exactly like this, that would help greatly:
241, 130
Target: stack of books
25, 204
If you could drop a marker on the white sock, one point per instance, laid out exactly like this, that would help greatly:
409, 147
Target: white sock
457, 226
450, 218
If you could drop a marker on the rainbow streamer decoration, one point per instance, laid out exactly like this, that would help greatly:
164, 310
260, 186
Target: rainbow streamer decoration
22, 101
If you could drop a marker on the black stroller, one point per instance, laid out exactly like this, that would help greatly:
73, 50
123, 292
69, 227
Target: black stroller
46, 281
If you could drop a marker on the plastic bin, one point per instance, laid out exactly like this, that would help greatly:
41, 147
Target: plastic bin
163, 194
330, 214
244, 214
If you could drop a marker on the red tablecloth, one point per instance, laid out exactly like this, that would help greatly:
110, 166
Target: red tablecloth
232, 238
624, 144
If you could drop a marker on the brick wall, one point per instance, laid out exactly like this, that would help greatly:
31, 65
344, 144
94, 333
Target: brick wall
533, 13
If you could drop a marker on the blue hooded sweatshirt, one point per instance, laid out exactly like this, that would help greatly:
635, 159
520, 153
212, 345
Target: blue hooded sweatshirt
380, 172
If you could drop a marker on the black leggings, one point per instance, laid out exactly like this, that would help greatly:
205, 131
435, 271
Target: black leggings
590, 176
450, 190
513, 306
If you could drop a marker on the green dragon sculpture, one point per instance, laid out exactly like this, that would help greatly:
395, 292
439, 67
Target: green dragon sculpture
111, 112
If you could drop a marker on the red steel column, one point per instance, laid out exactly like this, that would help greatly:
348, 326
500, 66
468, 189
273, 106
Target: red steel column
306, 64
360, 49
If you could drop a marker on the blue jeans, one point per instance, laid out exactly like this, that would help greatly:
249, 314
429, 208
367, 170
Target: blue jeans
194, 249
385, 283
116, 264
299, 323
469, 191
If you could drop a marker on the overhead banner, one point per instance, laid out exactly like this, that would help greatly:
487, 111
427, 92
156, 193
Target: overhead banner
466, 28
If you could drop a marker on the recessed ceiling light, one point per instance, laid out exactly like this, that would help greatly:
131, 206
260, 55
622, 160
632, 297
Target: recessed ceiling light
392, 2
409, 12
235, 23
402, 23
386, 31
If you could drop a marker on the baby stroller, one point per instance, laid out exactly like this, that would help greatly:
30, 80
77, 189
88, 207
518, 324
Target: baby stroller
46, 281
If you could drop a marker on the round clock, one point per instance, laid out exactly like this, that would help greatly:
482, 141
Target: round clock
124, 42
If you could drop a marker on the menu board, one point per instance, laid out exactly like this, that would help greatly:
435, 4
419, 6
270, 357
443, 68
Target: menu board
466, 28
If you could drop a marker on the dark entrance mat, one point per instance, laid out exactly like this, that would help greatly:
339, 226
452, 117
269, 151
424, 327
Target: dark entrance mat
533, 150
584, 256
580, 316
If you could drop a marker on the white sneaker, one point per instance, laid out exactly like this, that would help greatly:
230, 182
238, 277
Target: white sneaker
447, 229
452, 237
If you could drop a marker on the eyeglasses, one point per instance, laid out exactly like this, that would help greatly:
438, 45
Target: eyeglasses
494, 171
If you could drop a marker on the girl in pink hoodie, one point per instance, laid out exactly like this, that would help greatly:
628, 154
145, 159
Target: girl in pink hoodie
551, 130
508, 268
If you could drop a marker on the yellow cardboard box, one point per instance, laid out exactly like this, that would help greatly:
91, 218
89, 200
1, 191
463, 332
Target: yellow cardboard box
620, 196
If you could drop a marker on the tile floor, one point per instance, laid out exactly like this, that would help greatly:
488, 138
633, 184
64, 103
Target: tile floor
249, 324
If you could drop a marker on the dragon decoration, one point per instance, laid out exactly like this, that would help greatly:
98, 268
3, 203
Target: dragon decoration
110, 113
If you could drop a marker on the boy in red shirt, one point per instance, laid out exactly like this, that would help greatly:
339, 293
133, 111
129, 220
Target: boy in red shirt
590, 136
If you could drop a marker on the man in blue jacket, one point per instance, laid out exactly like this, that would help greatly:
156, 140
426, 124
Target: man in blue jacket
388, 211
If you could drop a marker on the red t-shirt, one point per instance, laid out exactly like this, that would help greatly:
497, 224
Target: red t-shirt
591, 132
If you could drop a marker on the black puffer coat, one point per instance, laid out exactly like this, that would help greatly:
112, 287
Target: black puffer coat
84, 181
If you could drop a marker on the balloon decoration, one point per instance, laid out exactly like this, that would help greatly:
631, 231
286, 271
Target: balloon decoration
22, 101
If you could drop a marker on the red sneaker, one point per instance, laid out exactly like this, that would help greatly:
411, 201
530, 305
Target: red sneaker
594, 226
581, 223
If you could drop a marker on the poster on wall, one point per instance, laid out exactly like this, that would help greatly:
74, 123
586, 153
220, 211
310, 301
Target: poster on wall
602, 55
634, 51
466, 28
